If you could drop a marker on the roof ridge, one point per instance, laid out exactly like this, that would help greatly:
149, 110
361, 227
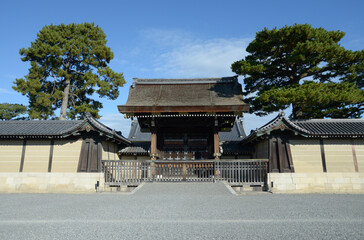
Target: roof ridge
329, 120
184, 80
37, 121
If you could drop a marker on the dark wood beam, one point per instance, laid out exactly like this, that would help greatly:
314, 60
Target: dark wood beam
51, 156
289, 156
323, 158
186, 109
23, 156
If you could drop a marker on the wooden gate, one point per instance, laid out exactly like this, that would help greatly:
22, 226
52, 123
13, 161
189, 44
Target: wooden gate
235, 172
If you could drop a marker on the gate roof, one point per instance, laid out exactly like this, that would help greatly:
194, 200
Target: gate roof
198, 95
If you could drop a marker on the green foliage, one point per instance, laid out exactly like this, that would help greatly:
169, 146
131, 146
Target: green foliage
318, 100
10, 111
68, 67
281, 59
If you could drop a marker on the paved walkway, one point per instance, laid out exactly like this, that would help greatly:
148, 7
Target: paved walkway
181, 211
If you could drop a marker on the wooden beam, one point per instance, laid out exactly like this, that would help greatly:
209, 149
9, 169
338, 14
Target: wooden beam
273, 161
216, 145
289, 156
280, 155
50, 156
188, 109
23, 156
323, 158
153, 145
355, 159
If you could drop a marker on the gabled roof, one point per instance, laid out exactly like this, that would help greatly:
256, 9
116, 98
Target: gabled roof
312, 127
137, 148
136, 135
237, 132
230, 140
235, 148
56, 128
185, 95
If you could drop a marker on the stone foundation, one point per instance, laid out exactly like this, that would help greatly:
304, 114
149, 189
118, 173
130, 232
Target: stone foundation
50, 182
316, 182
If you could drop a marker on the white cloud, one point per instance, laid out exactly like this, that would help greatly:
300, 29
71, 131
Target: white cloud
179, 54
210, 58
11, 76
163, 38
7, 91
118, 122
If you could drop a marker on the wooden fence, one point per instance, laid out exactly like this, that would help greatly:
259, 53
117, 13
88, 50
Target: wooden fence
235, 172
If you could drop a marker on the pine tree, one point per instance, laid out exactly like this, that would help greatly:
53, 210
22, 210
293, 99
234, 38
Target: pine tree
10, 111
69, 65
279, 62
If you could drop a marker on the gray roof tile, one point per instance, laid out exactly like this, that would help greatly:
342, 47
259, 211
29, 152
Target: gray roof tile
235, 147
135, 134
237, 133
332, 126
60, 128
38, 127
141, 141
139, 148
312, 127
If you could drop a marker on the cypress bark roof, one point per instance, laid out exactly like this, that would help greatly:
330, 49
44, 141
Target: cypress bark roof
185, 95
56, 128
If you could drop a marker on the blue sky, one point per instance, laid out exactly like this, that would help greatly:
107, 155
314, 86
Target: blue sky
167, 39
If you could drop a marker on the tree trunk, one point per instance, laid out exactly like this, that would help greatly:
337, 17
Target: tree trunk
297, 111
65, 100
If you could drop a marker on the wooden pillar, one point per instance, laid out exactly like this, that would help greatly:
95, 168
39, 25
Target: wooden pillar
153, 141
280, 156
216, 145
289, 156
153, 146
273, 160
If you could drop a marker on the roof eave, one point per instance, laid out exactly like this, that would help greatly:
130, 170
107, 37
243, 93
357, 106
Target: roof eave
190, 109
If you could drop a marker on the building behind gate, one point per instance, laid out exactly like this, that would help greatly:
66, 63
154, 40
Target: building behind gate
183, 130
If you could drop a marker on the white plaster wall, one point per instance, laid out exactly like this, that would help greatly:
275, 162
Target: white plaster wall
10, 155
316, 182
338, 155
50, 182
306, 155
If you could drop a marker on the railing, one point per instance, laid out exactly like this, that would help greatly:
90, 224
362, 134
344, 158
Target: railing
120, 172
189, 171
133, 172
250, 172
183, 155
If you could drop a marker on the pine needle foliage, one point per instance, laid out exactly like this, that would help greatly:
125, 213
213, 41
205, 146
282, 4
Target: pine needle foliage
302, 67
68, 68
10, 111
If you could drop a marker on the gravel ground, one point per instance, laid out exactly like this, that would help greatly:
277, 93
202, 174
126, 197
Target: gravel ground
181, 211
